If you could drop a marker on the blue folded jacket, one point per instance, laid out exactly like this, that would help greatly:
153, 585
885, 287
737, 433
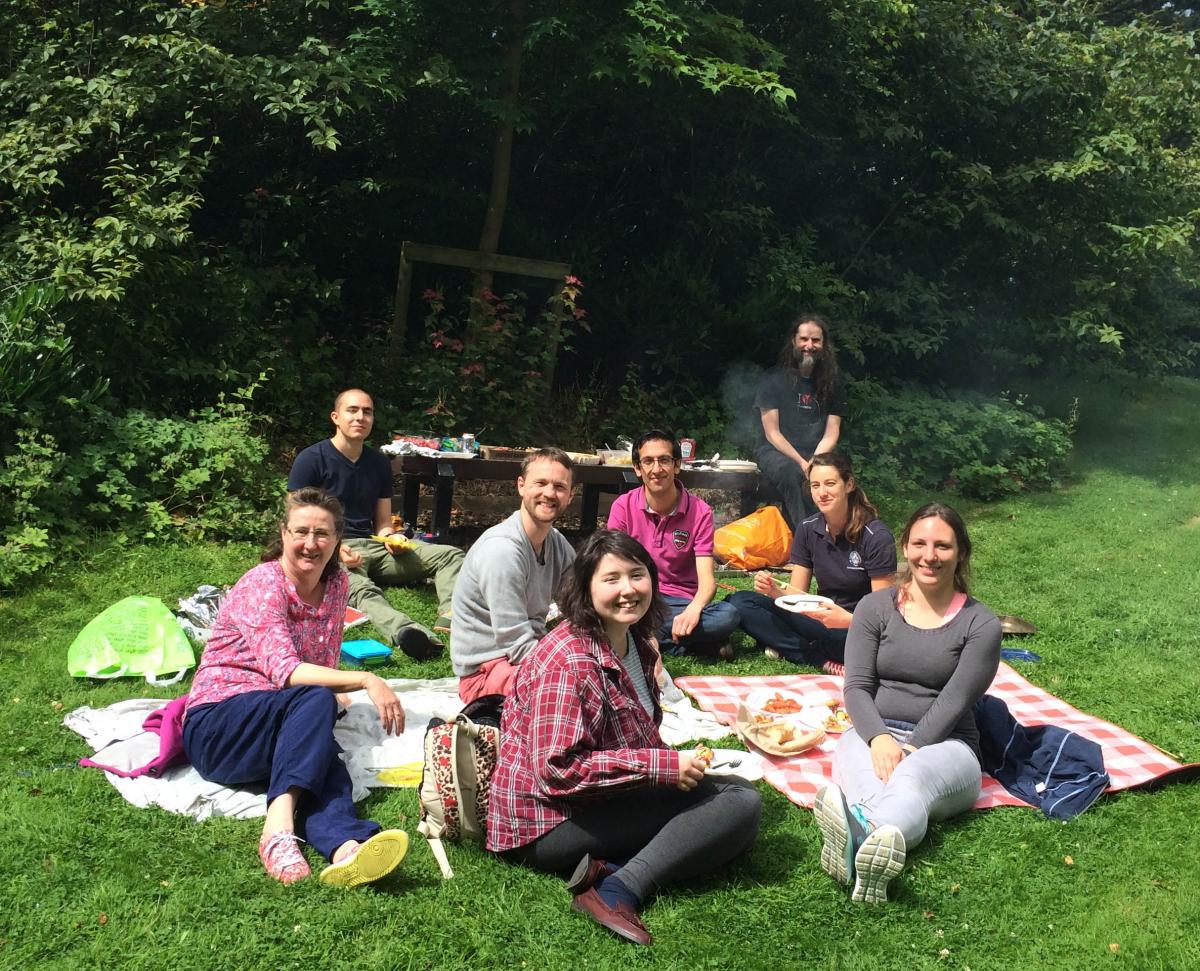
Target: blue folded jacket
1059, 771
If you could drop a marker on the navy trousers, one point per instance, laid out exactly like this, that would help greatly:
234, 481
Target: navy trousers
281, 739
798, 637
717, 621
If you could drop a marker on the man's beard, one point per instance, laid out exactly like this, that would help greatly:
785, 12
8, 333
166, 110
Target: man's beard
806, 360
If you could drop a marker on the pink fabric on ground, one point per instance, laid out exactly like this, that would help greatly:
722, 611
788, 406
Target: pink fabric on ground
494, 677
167, 724
1130, 761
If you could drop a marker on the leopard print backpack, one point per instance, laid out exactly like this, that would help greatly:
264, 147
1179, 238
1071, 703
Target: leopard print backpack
460, 758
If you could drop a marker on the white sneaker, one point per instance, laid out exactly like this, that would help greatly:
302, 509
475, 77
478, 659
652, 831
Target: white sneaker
878, 861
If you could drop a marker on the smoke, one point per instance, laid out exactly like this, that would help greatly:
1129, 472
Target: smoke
738, 389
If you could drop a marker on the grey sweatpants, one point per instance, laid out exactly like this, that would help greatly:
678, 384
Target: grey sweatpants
933, 783
658, 834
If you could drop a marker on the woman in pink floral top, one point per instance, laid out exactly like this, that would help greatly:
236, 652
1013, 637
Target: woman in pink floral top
262, 705
584, 779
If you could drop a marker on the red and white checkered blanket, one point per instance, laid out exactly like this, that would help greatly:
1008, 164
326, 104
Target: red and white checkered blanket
1129, 760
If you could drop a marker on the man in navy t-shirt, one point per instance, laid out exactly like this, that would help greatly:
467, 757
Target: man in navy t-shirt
361, 478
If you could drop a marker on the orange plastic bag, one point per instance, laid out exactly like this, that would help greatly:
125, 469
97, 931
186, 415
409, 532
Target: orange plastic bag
758, 540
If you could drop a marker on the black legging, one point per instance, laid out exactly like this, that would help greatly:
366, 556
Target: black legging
787, 477
666, 835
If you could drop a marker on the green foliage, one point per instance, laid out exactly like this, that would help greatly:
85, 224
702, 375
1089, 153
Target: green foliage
135, 476
73, 461
488, 367
975, 190
912, 439
38, 366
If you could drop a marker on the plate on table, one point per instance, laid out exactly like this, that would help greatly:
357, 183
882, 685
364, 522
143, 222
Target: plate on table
735, 465
803, 603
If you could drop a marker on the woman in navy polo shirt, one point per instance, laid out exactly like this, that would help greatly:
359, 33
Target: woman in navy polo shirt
850, 552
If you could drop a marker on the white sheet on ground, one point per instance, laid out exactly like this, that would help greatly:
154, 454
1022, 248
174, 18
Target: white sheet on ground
118, 730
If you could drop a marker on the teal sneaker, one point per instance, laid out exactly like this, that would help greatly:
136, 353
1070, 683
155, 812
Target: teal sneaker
841, 831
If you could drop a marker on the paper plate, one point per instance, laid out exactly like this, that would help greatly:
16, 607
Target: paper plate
803, 603
758, 700
749, 767
736, 465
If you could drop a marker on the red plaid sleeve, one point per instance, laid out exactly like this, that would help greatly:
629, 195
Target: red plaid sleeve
579, 745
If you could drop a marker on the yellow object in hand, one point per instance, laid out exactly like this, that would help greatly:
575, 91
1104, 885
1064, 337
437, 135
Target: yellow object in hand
394, 541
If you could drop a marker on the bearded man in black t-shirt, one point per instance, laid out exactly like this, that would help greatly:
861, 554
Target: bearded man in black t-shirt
801, 401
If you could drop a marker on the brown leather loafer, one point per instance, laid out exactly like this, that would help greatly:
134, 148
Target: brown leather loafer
588, 873
622, 922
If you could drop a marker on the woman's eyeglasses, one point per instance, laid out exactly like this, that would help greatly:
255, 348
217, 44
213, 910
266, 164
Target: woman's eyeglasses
302, 533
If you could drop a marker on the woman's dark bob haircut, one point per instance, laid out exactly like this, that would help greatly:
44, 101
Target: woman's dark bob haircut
575, 593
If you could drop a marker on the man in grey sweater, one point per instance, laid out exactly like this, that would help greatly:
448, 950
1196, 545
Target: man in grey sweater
509, 579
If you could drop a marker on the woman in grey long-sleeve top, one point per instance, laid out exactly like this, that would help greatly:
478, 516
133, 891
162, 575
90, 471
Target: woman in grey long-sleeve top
918, 657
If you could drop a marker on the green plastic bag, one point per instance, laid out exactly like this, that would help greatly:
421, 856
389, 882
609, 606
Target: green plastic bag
137, 636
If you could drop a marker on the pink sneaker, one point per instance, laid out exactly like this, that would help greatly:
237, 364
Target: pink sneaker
281, 856
835, 669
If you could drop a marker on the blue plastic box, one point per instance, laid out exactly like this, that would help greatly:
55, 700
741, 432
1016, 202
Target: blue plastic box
365, 653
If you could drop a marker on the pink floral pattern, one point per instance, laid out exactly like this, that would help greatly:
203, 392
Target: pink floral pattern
264, 630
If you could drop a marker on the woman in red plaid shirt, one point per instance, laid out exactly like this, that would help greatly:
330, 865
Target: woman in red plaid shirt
585, 784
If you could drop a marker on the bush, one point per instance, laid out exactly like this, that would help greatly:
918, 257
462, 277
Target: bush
138, 477
909, 438
487, 368
72, 463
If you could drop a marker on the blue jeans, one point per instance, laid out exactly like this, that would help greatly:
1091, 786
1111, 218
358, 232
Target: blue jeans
283, 739
718, 620
797, 637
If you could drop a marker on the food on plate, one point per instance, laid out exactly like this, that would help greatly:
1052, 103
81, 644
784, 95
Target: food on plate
838, 719
785, 738
779, 705
778, 736
704, 754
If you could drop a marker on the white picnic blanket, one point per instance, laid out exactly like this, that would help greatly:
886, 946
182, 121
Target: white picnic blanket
117, 729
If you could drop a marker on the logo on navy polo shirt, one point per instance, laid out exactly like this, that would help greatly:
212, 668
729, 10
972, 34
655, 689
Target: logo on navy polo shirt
680, 538
854, 561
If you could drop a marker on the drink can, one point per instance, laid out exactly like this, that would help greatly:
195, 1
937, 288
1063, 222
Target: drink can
468, 442
687, 450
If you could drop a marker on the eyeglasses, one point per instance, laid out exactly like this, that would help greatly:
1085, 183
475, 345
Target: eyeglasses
302, 533
650, 461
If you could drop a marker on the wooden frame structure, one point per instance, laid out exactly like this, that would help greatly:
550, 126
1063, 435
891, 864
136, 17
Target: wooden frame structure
473, 260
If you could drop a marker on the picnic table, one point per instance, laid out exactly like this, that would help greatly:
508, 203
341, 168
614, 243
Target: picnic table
443, 473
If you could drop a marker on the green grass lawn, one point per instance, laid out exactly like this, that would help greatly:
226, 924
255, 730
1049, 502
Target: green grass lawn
1108, 567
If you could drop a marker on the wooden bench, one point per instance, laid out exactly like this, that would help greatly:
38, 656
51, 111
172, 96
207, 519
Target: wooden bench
443, 473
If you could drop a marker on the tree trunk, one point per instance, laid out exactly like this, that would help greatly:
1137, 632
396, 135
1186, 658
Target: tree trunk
514, 43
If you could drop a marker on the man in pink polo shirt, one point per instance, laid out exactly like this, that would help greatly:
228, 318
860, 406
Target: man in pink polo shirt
677, 530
